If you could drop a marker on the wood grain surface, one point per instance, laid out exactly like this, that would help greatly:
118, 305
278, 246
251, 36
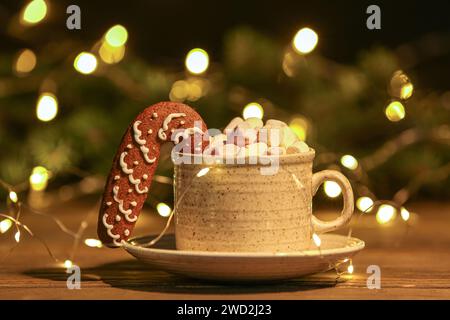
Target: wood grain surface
414, 259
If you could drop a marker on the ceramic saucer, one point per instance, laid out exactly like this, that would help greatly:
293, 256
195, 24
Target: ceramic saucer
242, 266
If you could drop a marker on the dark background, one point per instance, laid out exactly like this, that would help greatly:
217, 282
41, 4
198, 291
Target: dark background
163, 31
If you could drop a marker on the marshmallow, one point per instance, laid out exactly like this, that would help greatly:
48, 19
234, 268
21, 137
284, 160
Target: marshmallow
270, 136
297, 147
233, 124
244, 134
255, 123
288, 137
276, 151
230, 150
272, 123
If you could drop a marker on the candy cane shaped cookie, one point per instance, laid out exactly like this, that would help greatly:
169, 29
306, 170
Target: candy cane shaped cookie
135, 163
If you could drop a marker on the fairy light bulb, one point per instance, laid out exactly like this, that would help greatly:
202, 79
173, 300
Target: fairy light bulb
110, 54
305, 40
5, 225
13, 196
68, 264
349, 162
39, 178
385, 214
34, 12
116, 36
405, 214
85, 63
332, 189
47, 107
163, 209
350, 268
395, 111
364, 204
197, 61
253, 110
406, 91
17, 236
317, 240
25, 62
299, 126
202, 172
93, 243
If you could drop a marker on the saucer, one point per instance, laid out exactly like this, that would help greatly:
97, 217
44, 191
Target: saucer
244, 266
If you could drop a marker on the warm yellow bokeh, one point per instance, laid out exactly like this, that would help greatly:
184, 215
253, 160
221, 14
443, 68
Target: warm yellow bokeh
305, 40
253, 110
364, 204
34, 12
385, 213
85, 63
197, 61
163, 209
395, 111
25, 62
110, 54
39, 178
349, 162
47, 107
332, 189
116, 36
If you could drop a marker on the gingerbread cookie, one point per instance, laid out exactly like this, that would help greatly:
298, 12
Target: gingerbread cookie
135, 163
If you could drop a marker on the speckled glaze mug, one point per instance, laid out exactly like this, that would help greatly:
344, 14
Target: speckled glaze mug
234, 208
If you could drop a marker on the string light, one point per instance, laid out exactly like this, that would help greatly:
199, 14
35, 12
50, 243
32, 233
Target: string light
404, 214
25, 62
13, 196
350, 268
349, 162
47, 107
17, 236
34, 12
317, 240
364, 204
197, 61
93, 243
299, 126
401, 86
305, 40
202, 172
5, 225
85, 63
332, 189
163, 209
385, 213
68, 264
39, 178
110, 54
253, 110
406, 91
116, 36
395, 111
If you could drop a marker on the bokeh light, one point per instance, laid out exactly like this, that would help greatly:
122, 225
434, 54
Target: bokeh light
406, 91
197, 61
395, 111
385, 213
34, 12
299, 126
93, 243
5, 225
17, 236
25, 62
253, 110
39, 178
47, 107
85, 63
401, 86
364, 204
110, 54
13, 196
332, 189
202, 172
305, 40
68, 264
349, 162
163, 209
405, 214
116, 36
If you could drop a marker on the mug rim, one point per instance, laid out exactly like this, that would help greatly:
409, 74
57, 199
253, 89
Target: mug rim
301, 157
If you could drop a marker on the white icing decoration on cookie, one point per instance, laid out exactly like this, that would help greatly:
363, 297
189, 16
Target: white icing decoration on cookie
150, 131
154, 115
116, 177
145, 190
134, 203
130, 190
123, 165
161, 134
186, 133
135, 163
128, 212
137, 133
129, 146
109, 203
145, 177
118, 218
136, 183
145, 152
126, 232
109, 227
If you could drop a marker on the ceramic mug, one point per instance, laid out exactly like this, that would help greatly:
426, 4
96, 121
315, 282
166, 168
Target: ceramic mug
234, 208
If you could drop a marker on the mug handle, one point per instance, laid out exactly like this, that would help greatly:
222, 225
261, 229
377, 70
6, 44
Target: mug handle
347, 193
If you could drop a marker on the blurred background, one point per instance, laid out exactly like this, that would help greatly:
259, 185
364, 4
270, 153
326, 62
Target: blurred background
375, 104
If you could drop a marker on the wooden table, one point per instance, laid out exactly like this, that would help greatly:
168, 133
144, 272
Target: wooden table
414, 262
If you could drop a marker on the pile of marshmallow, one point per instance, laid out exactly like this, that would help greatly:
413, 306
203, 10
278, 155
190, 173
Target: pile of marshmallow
251, 137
